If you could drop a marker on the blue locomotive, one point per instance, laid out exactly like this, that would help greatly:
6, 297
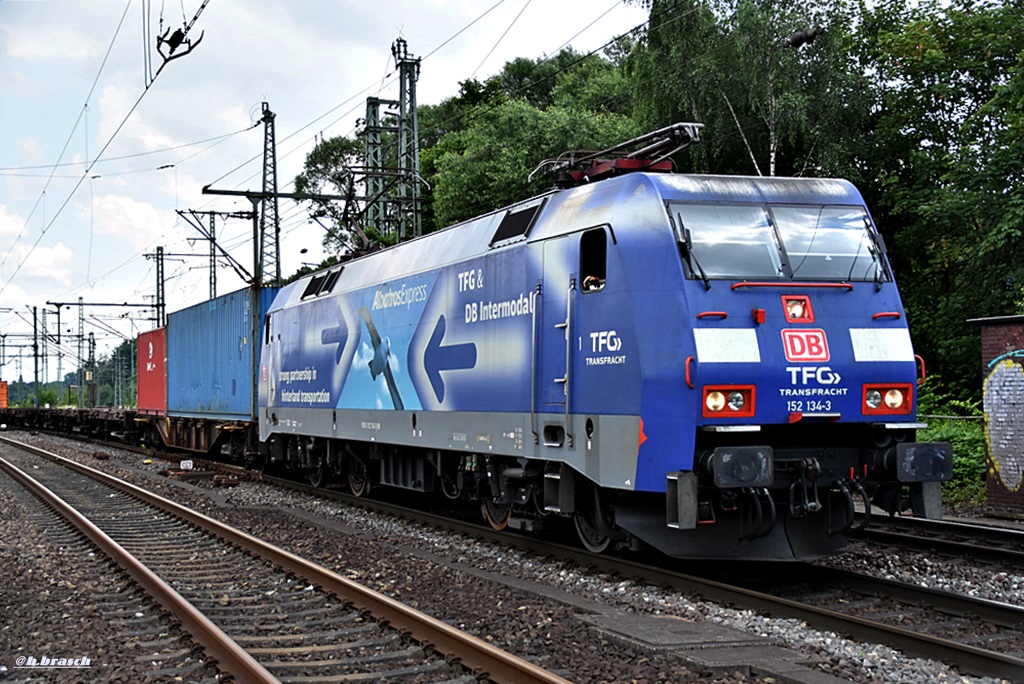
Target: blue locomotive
716, 367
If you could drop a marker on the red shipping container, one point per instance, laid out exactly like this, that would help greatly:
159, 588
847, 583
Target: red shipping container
3, 394
152, 358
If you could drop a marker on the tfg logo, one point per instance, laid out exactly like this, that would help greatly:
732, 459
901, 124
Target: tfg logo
605, 340
805, 345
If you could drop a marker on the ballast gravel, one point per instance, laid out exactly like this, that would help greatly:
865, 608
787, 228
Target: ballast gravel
52, 627
389, 555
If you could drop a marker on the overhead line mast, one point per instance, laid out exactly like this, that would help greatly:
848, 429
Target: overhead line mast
270, 224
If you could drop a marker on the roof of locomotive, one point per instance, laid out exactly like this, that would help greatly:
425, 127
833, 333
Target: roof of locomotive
630, 199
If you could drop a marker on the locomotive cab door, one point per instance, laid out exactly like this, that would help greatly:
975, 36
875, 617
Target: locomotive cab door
269, 368
573, 264
560, 259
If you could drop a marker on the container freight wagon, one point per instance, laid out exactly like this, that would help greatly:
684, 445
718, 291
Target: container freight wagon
712, 366
211, 361
152, 369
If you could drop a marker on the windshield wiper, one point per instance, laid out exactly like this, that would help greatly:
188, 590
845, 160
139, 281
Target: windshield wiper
877, 255
686, 247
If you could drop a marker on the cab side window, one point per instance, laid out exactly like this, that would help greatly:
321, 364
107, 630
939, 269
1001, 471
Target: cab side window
593, 260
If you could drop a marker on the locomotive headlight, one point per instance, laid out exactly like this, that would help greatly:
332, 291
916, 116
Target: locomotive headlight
873, 399
736, 401
894, 399
740, 400
798, 308
888, 399
715, 401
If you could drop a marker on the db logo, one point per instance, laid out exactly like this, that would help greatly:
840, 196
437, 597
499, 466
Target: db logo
805, 345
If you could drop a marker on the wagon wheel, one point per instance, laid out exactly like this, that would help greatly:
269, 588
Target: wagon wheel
496, 514
318, 474
592, 525
358, 481
592, 538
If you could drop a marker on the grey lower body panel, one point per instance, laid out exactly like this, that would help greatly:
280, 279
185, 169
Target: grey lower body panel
602, 447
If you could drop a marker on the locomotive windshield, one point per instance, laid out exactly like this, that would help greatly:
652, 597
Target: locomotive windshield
772, 242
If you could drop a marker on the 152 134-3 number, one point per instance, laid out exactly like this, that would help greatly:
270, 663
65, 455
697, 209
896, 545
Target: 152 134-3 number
809, 406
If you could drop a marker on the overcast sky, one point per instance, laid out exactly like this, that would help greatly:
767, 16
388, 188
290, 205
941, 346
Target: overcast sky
72, 71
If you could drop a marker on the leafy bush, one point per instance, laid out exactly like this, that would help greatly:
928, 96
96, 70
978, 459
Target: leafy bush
962, 424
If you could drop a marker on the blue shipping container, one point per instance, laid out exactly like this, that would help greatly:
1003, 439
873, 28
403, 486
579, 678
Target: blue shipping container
212, 358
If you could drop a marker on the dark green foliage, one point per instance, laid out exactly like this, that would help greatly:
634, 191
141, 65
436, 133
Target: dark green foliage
768, 108
960, 423
967, 438
496, 133
331, 168
944, 155
487, 165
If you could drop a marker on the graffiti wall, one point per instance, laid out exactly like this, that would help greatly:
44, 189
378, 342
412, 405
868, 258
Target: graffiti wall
1002, 344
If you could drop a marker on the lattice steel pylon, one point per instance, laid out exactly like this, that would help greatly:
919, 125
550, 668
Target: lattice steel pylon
269, 269
81, 357
376, 202
407, 196
161, 304
392, 170
45, 351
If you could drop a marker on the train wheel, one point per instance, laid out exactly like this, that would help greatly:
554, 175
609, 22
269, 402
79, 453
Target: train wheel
258, 463
592, 525
317, 475
592, 538
496, 514
358, 481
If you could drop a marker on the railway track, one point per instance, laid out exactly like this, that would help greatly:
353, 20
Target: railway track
978, 636
987, 644
261, 614
1000, 545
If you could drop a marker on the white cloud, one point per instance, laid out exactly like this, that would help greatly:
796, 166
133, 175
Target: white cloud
136, 223
47, 266
10, 223
50, 41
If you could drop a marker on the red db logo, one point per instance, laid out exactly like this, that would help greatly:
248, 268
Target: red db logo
805, 345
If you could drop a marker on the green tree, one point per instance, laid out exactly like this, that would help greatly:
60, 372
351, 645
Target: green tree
944, 151
333, 167
769, 107
487, 165
495, 133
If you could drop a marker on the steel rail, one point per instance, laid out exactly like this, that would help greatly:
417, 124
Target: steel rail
230, 657
947, 526
457, 646
991, 554
915, 532
996, 612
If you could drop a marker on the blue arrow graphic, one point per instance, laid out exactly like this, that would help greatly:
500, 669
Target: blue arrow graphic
453, 357
337, 335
